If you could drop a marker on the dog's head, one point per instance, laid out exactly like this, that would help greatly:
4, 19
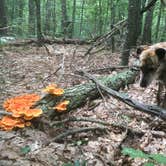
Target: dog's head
150, 60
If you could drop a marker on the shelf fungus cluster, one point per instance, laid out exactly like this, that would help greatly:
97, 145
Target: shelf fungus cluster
54, 90
21, 108
21, 111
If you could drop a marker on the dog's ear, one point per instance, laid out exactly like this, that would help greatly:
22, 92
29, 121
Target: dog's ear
161, 53
140, 49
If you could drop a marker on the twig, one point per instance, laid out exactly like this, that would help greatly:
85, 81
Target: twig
81, 119
149, 109
101, 39
149, 6
51, 74
106, 69
74, 131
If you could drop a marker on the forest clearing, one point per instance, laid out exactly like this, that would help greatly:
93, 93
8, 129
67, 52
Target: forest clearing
82, 83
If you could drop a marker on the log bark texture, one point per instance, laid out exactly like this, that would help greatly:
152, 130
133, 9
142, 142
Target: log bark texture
80, 94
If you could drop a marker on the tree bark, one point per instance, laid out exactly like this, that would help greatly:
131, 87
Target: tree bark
3, 18
48, 9
73, 18
82, 14
158, 23
80, 94
54, 19
38, 16
147, 32
133, 29
64, 21
31, 18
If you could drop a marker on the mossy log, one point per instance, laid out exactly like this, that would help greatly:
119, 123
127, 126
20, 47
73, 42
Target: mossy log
80, 94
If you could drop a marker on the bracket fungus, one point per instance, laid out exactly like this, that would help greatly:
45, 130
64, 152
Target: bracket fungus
53, 89
20, 107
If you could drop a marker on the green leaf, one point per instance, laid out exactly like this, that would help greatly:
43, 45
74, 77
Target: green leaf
161, 159
149, 164
77, 163
26, 149
134, 153
68, 164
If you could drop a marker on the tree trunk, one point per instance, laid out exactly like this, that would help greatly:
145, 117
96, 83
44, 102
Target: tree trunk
20, 17
100, 25
38, 18
133, 29
3, 18
158, 23
112, 24
82, 14
64, 21
147, 32
54, 19
80, 94
47, 26
31, 18
73, 18
163, 35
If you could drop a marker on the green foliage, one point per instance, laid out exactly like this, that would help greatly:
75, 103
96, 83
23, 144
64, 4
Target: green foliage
96, 16
149, 164
76, 163
159, 158
134, 153
153, 158
26, 149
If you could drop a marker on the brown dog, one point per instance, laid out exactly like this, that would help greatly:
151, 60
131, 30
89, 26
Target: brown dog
152, 63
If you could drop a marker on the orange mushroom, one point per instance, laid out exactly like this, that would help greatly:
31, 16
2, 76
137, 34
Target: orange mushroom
53, 89
20, 107
8, 123
62, 106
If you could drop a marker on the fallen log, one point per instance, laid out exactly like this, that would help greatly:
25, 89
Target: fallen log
48, 41
149, 109
80, 94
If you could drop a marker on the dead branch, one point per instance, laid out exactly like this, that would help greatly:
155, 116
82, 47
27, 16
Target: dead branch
149, 6
74, 131
107, 36
72, 119
149, 109
107, 69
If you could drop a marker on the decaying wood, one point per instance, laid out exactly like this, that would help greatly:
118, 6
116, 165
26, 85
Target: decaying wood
149, 109
80, 94
107, 69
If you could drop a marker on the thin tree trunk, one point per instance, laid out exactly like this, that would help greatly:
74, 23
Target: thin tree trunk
73, 18
163, 35
54, 19
112, 24
158, 23
147, 32
47, 26
100, 25
38, 16
3, 18
64, 21
31, 18
133, 29
82, 15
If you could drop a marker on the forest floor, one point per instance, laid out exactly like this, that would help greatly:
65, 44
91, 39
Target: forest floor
29, 69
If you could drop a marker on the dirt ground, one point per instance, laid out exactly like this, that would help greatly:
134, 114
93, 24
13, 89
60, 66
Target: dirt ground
29, 69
